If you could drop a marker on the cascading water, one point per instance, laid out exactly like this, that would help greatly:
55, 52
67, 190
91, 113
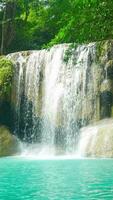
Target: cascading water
96, 140
54, 98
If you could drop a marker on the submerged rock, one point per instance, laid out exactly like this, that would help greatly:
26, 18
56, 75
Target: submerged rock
9, 144
97, 140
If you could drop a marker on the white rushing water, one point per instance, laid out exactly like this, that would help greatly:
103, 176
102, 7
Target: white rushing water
53, 98
96, 140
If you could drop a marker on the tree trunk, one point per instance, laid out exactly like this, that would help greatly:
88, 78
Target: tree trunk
3, 32
26, 7
8, 26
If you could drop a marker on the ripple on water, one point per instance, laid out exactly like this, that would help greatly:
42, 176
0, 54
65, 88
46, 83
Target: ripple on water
23, 179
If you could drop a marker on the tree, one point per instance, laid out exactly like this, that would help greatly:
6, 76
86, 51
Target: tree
7, 33
36, 24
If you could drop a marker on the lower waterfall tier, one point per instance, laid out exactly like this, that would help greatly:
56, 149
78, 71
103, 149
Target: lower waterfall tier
96, 140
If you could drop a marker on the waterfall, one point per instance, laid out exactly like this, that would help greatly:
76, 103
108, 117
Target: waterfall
96, 140
54, 98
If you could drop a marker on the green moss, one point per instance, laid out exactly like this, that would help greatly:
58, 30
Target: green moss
109, 64
69, 52
99, 49
102, 48
6, 74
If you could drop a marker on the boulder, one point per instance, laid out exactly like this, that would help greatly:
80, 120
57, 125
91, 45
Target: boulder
9, 144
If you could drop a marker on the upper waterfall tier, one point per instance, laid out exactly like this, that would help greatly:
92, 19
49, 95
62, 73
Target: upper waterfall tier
58, 91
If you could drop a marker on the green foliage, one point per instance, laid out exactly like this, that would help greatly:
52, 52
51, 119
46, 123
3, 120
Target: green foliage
39, 24
6, 74
69, 52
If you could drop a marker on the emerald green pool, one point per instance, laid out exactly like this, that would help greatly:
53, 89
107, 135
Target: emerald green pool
23, 179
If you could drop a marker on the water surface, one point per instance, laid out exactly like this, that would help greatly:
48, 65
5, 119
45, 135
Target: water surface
24, 179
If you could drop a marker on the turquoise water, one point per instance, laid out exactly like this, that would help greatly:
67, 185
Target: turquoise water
55, 179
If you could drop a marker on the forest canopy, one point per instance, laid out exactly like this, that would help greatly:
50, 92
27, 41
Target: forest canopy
37, 24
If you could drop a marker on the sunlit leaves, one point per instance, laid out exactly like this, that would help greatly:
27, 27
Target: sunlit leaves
41, 23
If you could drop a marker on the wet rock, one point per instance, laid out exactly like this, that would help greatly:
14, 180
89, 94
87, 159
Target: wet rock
109, 69
104, 51
106, 99
106, 85
9, 144
106, 104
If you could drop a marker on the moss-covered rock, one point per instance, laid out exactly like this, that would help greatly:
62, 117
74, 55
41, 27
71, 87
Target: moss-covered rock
106, 85
104, 51
6, 74
109, 69
9, 144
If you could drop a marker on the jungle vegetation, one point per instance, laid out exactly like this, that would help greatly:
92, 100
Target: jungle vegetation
37, 24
